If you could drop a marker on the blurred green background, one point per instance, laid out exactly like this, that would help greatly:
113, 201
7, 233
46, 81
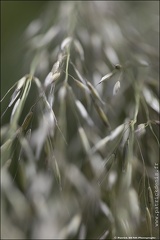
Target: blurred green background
15, 17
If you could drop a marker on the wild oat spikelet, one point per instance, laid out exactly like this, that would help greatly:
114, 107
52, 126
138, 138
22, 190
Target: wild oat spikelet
102, 115
149, 221
150, 200
116, 88
125, 156
26, 121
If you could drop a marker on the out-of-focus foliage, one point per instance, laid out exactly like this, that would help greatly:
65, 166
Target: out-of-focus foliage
80, 145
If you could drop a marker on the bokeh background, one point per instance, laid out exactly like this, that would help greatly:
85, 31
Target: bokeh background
15, 17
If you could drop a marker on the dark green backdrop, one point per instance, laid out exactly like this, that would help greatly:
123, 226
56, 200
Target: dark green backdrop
15, 17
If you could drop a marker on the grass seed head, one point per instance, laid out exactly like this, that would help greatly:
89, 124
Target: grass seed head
116, 88
149, 221
81, 46
150, 200
125, 156
26, 121
102, 115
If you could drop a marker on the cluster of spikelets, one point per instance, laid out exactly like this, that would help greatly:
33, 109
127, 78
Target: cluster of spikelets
79, 152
